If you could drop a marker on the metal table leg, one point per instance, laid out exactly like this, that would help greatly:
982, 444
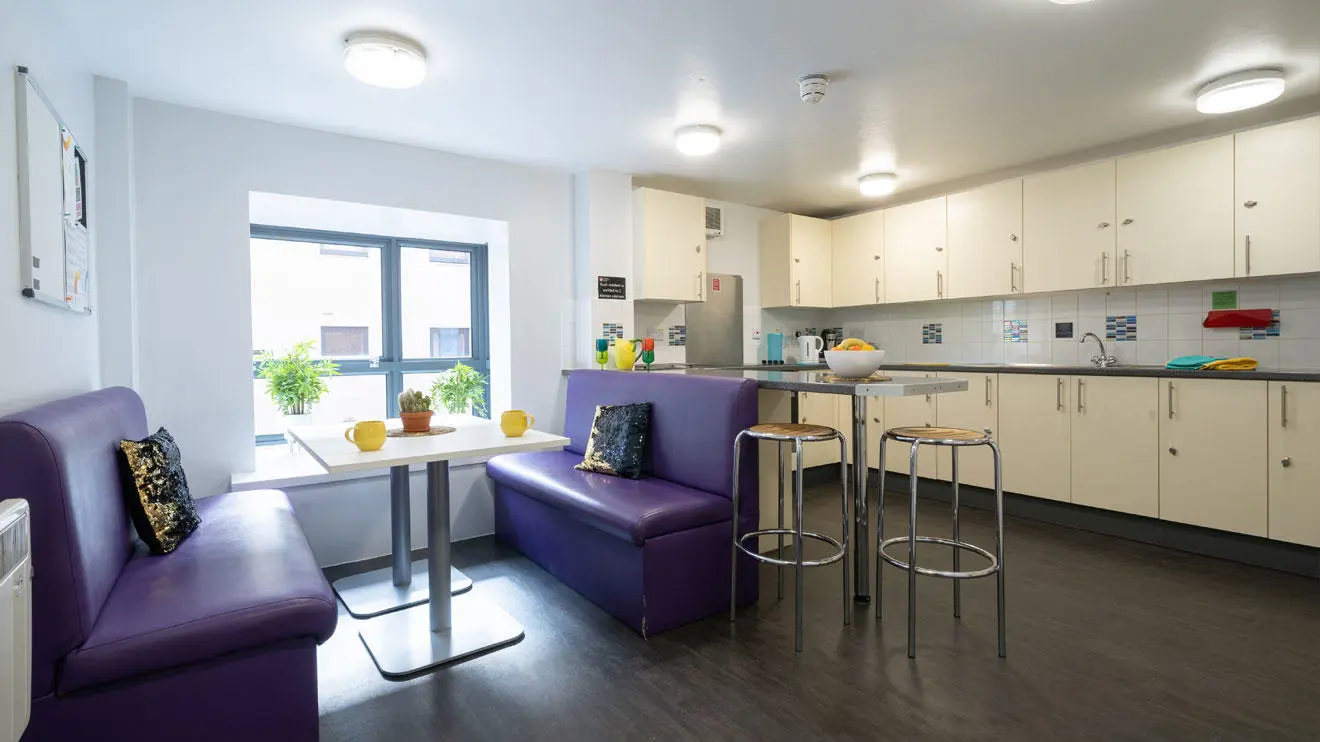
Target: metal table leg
449, 628
394, 587
861, 537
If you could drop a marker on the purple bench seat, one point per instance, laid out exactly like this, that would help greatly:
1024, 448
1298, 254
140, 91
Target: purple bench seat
652, 552
214, 641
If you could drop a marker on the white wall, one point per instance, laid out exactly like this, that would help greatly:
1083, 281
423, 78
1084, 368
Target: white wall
603, 246
50, 352
194, 171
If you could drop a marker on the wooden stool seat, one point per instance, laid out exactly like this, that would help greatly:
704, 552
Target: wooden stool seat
938, 435
789, 431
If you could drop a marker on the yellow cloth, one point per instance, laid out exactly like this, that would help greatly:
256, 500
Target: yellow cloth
1232, 364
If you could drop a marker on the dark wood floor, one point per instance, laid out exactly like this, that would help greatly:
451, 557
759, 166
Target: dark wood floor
1107, 640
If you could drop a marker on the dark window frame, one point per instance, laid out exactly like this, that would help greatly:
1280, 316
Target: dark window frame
392, 364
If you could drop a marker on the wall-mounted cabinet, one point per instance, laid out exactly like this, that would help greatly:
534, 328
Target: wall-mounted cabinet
1035, 435
1278, 199
796, 262
669, 246
985, 241
1213, 449
1294, 462
916, 262
859, 264
1068, 226
1175, 214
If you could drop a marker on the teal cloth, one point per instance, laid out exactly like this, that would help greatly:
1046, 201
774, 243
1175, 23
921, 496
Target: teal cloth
1190, 362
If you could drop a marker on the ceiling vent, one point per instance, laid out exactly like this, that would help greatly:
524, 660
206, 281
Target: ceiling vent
714, 221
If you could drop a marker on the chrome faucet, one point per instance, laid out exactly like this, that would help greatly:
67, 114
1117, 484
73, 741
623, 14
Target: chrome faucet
1102, 360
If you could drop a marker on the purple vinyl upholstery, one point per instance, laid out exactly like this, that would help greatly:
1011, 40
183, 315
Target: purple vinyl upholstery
116, 630
652, 552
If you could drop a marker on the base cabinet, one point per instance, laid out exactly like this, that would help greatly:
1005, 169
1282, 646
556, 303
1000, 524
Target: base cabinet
903, 412
1294, 462
1115, 429
820, 409
774, 407
1035, 435
1213, 454
975, 409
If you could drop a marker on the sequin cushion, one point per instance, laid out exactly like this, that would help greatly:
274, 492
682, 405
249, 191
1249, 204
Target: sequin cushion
617, 445
158, 498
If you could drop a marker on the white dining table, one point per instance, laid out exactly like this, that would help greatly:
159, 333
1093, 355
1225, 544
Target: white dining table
402, 635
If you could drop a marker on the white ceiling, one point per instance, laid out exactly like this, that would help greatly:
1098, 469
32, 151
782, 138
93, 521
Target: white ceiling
939, 90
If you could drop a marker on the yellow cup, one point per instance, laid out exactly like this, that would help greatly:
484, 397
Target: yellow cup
368, 435
515, 422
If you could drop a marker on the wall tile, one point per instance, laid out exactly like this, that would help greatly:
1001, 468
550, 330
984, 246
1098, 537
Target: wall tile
1185, 299
1091, 303
971, 352
1300, 293
1226, 348
1152, 300
1038, 307
973, 311
1302, 324
1089, 323
1064, 305
1016, 353
994, 352
1152, 352
1299, 355
1126, 353
1038, 352
1065, 352
1185, 326
1265, 351
1259, 294
1154, 326
1179, 348
1121, 302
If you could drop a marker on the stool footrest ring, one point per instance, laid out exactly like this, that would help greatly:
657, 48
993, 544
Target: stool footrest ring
967, 575
831, 559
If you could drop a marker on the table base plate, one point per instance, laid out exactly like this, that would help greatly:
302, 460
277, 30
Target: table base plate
402, 643
373, 593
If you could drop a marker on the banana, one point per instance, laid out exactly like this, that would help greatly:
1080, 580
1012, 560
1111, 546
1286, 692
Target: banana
854, 344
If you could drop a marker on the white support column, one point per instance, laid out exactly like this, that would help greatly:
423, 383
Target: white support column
602, 246
114, 271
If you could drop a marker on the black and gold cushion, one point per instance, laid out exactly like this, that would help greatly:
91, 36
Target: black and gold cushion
617, 445
158, 498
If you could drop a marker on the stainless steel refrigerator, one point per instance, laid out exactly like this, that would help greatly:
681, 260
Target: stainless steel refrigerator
715, 326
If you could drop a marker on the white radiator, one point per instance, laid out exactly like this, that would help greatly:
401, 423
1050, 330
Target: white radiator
15, 620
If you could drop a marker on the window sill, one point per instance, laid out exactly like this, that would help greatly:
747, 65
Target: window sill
278, 468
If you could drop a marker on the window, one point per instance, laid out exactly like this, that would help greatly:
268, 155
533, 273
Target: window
343, 342
451, 342
392, 312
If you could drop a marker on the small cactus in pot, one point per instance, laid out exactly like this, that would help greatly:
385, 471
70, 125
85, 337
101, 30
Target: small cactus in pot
415, 411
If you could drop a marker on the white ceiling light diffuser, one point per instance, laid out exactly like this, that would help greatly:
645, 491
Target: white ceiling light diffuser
1240, 91
385, 60
697, 141
1069, 2
878, 184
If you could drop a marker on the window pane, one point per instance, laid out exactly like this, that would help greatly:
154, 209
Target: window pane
423, 382
301, 290
437, 303
348, 398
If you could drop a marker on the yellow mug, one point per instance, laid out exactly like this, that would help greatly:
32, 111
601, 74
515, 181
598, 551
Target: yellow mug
368, 435
515, 422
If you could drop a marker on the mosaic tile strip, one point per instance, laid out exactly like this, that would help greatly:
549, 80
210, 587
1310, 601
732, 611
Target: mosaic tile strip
1015, 331
932, 334
678, 335
612, 330
1261, 333
1122, 328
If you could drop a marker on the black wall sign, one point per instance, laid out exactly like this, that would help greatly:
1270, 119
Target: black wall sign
611, 287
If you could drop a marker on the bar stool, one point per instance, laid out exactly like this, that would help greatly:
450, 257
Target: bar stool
955, 438
797, 434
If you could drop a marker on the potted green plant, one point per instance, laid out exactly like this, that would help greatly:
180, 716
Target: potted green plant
415, 411
295, 381
461, 390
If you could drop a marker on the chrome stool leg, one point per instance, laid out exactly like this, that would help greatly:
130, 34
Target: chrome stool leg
880, 528
733, 559
798, 549
779, 571
843, 477
912, 553
999, 547
957, 553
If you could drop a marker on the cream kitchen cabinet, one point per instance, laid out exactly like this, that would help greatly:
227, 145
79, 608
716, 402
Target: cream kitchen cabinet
669, 246
1213, 454
1294, 462
908, 412
1278, 199
1035, 434
1069, 228
774, 407
859, 265
975, 409
796, 262
1115, 430
916, 262
1175, 214
985, 241
819, 409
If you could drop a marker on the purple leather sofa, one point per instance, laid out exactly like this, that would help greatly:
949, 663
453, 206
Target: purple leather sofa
214, 641
653, 552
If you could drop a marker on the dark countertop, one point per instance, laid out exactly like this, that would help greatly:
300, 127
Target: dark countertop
1027, 368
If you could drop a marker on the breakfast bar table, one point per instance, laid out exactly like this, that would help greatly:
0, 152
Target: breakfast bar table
451, 627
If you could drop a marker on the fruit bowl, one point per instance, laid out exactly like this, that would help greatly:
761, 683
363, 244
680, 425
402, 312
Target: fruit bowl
854, 364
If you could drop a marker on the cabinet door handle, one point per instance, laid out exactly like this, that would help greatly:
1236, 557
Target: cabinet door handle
1081, 387
939, 284
877, 291
987, 392
1283, 406
1012, 277
1170, 400
1127, 266
1058, 394
799, 292
1248, 255
701, 284
1104, 268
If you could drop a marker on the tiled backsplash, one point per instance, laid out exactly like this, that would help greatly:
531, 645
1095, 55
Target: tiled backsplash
1022, 330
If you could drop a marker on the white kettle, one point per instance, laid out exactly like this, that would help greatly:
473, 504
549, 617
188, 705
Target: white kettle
809, 348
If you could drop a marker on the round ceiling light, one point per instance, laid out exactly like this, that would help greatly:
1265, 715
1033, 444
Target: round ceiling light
698, 140
385, 60
878, 184
1069, 2
1240, 91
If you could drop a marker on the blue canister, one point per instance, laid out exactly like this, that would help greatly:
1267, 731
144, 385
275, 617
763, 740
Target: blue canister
774, 347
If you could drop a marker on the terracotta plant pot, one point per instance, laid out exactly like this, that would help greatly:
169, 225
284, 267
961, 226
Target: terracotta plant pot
416, 422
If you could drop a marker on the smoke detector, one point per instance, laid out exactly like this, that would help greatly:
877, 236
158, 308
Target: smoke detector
812, 87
